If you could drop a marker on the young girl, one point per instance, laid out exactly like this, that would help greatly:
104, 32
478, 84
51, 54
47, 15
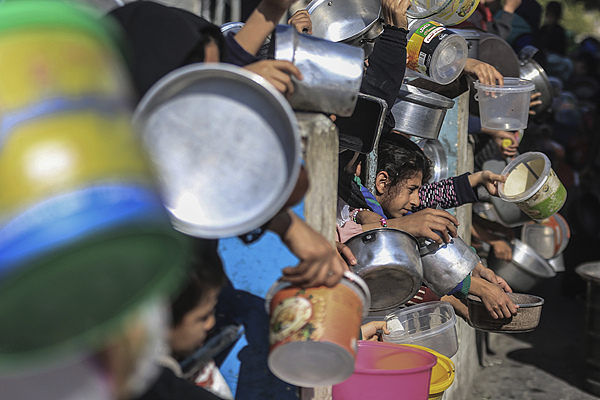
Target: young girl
400, 196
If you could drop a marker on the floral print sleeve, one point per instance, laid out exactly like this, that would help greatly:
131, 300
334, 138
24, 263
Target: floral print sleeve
440, 193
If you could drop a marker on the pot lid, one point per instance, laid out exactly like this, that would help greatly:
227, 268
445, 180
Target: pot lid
423, 97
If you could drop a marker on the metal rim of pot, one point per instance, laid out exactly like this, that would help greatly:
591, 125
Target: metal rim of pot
434, 150
534, 72
181, 82
313, 5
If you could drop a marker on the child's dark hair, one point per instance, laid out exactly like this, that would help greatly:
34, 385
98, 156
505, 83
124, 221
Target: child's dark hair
402, 159
205, 272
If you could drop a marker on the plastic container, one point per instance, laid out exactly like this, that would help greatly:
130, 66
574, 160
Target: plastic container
447, 12
384, 371
442, 374
431, 325
434, 52
504, 107
533, 186
313, 332
84, 236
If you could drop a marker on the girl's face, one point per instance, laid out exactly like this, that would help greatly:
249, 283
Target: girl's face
399, 199
191, 332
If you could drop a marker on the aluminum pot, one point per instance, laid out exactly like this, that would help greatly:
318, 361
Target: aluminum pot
548, 237
533, 71
526, 320
525, 270
214, 132
447, 265
388, 261
420, 112
331, 84
354, 22
434, 150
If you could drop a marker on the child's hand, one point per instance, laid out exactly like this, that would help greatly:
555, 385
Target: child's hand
278, 73
488, 179
502, 249
535, 101
369, 330
301, 22
484, 72
346, 253
495, 300
394, 12
428, 223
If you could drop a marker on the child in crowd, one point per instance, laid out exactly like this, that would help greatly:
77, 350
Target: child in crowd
193, 316
402, 167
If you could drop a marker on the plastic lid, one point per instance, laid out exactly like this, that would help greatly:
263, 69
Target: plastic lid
525, 159
449, 59
442, 374
515, 85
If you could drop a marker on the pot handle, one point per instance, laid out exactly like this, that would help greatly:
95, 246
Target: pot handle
371, 237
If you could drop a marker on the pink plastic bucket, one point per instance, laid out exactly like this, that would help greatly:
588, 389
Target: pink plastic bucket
389, 371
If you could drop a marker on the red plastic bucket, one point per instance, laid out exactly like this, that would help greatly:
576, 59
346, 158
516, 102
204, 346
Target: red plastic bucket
314, 332
392, 372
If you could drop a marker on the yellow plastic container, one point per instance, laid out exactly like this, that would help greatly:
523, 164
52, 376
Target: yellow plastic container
442, 374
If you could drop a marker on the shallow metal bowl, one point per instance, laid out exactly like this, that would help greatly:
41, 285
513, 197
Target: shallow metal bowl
526, 268
527, 317
225, 145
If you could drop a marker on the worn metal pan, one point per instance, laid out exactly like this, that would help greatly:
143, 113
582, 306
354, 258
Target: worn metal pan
225, 145
388, 261
526, 319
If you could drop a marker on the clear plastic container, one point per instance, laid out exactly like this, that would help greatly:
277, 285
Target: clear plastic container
448, 12
431, 325
504, 107
434, 52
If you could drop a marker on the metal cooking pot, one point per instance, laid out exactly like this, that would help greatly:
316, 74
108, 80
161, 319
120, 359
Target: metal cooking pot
445, 266
388, 261
420, 112
215, 132
331, 84
525, 270
531, 70
548, 237
354, 22
434, 150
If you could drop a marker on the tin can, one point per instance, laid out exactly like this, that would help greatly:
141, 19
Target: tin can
313, 332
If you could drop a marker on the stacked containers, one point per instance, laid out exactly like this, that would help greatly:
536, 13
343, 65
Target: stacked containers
84, 236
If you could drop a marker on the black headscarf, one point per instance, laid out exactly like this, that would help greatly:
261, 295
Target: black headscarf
160, 39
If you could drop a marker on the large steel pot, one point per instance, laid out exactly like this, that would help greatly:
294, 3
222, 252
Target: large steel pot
354, 22
420, 112
331, 83
434, 150
388, 261
215, 132
525, 270
447, 265
531, 70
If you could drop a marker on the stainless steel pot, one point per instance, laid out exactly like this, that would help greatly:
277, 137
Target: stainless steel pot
526, 269
331, 83
445, 266
434, 150
388, 261
531, 70
215, 132
354, 22
420, 112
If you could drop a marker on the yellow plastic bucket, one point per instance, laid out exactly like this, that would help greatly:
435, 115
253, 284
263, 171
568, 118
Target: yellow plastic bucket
442, 374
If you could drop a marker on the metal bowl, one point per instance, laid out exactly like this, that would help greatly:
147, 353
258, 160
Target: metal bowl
525, 270
388, 261
354, 22
445, 266
434, 150
526, 320
420, 112
225, 145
